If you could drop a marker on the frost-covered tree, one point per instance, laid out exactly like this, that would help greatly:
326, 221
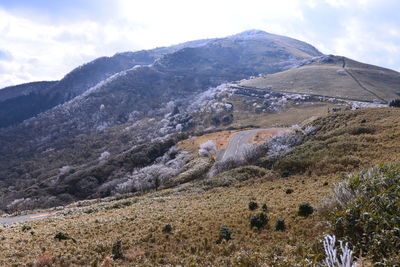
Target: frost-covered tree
207, 149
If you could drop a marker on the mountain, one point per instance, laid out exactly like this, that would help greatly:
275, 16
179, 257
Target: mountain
114, 104
116, 115
21, 102
334, 76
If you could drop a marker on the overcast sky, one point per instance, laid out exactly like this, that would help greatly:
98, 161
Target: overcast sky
45, 39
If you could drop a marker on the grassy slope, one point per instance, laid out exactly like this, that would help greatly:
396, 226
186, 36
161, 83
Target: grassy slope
323, 79
344, 142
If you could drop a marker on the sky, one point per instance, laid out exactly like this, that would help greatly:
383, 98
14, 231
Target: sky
45, 39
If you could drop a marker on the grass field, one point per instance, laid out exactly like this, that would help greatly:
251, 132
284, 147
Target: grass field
332, 80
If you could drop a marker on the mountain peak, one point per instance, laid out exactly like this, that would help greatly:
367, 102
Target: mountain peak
250, 33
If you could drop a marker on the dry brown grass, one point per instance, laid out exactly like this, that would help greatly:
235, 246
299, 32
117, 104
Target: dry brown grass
221, 140
263, 135
195, 218
44, 260
196, 215
293, 114
323, 79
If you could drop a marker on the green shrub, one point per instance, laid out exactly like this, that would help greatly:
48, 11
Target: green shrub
395, 103
280, 225
366, 212
224, 234
233, 176
167, 229
63, 236
26, 228
259, 220
253, 205
264, 208
305, 210
117, 250
289, 191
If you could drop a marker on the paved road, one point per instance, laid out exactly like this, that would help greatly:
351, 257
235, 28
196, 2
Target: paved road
239, 139
25, 218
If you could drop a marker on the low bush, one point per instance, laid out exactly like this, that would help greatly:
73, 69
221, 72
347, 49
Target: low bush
253, 205
305, 210
224, 234
167, 229
289, 191
280, 225
264, 207
63, 236
233, 176
117, 250
259, 220
395, 103
365, 210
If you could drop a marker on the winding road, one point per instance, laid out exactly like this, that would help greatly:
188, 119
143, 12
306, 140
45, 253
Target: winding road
239, 139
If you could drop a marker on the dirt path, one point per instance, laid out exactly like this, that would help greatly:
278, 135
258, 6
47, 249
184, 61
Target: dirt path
359, 83
25, 218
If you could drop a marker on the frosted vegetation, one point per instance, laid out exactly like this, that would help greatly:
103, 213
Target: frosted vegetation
345, 259
150, 177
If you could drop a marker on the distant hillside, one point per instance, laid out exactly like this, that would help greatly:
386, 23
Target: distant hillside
24, 89
334, 76
24, 101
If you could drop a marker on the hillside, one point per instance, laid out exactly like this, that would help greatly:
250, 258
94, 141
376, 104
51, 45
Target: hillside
136, 106
334, 76
274, 52
342, 143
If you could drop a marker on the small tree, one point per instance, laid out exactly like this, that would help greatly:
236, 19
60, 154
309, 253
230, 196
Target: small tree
305, 210
253, 205
395, 103
259, 220
224, 234
208, 149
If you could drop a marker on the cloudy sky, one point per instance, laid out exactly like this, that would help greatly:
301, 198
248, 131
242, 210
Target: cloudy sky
45, 39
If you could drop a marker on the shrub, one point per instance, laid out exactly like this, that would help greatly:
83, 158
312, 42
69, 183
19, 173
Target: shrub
280, 225
224, 234
225, 165
233, 176
63, 236
289, 191
332, 260
395, 103
117, 250
167, 229
259, 220
207, 149
264, 207
305, 210
26, 228
253, 205
365, 211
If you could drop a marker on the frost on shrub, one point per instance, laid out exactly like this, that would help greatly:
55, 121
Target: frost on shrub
105, 155
207, 149
151, 177
283, 143
364, 209
65, 169
332, 260
225, 165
